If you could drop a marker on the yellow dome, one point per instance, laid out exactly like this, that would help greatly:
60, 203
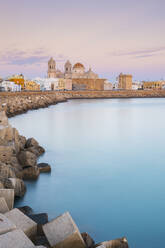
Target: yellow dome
78, 65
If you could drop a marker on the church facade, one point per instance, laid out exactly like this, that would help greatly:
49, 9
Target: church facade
76, 71
81, 79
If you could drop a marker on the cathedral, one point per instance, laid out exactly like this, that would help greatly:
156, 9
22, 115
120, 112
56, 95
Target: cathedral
77, 71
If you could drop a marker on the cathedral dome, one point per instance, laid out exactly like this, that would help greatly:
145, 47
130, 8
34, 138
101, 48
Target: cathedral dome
78, 66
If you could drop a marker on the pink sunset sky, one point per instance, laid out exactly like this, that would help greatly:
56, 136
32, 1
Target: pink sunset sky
111, 36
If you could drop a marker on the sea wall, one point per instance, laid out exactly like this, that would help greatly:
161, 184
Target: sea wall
21, 102
114, 94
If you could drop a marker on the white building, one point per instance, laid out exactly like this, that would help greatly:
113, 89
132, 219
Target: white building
45, 83
136, 85
9, 86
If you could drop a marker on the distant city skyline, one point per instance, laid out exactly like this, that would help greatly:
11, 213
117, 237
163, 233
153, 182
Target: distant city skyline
110, 36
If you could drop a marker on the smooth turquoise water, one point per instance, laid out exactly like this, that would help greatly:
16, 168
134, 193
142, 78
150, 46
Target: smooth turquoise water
108, 166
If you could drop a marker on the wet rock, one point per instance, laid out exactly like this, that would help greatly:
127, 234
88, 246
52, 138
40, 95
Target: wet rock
41, 150
41, 241
116, 243
88, 240
37, 150
27, 158
40, 219
31, 142
44, 167
31, 173
26, 210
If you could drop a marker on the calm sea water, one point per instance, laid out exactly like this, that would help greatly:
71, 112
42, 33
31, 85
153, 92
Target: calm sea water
108, 166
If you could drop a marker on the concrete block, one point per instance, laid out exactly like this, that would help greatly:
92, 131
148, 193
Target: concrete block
62, 232
15, 239
8, 194
3, 206
23, 222
5, 224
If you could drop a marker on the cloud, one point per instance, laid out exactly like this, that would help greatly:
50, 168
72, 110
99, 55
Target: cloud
139, 53
26, 58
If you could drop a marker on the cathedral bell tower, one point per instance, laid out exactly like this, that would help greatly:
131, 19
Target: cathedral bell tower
68, 69
51, 68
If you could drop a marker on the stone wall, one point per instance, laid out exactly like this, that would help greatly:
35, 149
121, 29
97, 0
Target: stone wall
113, 94
91, 84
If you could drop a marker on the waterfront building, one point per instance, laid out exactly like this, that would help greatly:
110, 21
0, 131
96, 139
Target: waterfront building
44, 83
47, 84
9, 86
107, 85
136, 85
150, 85
19, 80
31, 86
125, 81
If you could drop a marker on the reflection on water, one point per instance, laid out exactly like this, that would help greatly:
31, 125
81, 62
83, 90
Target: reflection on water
108, 166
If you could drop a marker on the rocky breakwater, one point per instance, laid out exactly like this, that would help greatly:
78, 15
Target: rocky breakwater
18, 158
17, 229
20, 102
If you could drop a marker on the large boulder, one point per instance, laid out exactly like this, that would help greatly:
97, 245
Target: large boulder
37, 150
31, 173
31, 142
27, 158
18, 186
44, 167
33, 146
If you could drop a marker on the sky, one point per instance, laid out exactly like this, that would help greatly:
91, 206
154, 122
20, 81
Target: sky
111, 36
